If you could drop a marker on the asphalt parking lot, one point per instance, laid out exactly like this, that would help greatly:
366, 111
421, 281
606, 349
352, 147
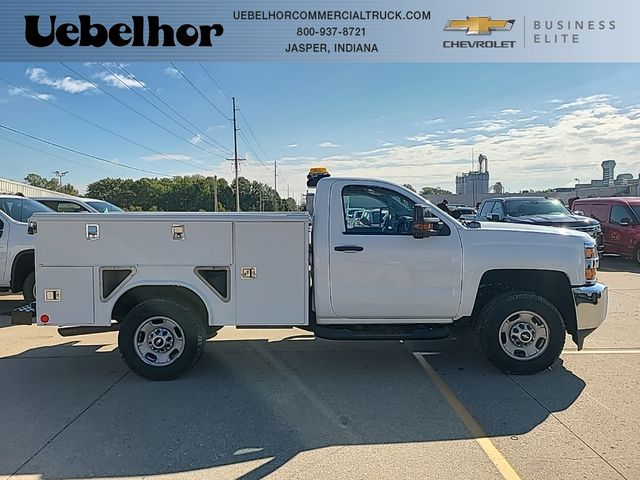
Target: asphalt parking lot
283, 405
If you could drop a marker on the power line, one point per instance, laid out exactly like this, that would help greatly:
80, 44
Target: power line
214, 81
78, 152
140, 114
90, 122
53, 154
196, 131
253, 135
128, 87
198, 90
258, 143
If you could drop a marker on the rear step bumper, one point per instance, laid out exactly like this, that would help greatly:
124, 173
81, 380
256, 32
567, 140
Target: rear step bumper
25, 315
408, 332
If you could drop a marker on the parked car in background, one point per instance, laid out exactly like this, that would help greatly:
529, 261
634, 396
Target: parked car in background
620, 221
463, 213
538, 211
77, 205
16, 246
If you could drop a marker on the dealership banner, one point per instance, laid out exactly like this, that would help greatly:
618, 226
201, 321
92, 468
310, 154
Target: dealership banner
321, 31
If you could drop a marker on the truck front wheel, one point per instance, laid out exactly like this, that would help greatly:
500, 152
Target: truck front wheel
159, 338
521, 332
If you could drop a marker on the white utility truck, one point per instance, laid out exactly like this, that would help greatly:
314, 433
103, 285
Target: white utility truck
404, 270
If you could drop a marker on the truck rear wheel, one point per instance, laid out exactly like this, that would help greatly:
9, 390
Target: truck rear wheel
159, 339
521, 332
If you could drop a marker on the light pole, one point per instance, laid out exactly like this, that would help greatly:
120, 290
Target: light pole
59, 175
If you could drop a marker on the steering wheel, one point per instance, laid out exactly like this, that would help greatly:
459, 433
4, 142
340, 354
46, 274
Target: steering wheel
403, 226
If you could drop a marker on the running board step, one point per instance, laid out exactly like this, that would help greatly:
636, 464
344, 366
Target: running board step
382, 332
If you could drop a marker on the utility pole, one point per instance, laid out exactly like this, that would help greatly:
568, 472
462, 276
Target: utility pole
215, 193
235, 158
288, 191
275, 185
260, 197
59, 175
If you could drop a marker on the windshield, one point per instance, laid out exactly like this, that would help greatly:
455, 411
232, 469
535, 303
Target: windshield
21, 209
520, 208
104, 207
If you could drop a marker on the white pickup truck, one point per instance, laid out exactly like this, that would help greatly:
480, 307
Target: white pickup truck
409, 271
16, 247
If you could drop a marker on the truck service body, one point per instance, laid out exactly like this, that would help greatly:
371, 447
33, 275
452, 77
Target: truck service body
171, 278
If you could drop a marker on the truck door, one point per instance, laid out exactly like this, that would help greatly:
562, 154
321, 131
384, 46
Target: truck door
618, 235
377, 269
4, 242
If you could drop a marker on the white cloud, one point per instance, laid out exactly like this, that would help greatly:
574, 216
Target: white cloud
583, 101
388, 144
118, 80
15, 91
172, 72
521, 155
420, 138
197, 139
433, 121
293, 145
168, 156
510, 111
66, 84
328, 145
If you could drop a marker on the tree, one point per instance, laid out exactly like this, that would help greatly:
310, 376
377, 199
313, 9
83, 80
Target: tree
50, 184
434, 191
409, 186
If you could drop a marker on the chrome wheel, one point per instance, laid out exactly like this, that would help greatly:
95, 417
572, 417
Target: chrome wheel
159, 341
524, 335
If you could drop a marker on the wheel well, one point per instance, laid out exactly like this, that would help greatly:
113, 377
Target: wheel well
23, 265
133, 297
552, 285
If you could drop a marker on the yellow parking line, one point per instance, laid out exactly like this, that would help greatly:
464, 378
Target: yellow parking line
501, 463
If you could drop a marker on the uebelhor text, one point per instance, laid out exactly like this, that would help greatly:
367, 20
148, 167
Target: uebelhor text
141, 32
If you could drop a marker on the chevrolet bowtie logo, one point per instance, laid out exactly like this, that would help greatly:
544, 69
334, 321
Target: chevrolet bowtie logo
479, 25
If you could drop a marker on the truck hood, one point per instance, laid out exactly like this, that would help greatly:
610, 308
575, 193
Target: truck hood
569, 221
530, 228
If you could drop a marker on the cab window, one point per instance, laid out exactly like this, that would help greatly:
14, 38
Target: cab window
618, 212
376, 210
498, 208
486, 209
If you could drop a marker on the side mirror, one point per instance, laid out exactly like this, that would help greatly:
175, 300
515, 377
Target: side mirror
625, 222
494, 217
425, 224
579, 212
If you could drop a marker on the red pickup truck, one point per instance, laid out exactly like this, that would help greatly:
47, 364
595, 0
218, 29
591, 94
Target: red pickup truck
619, 218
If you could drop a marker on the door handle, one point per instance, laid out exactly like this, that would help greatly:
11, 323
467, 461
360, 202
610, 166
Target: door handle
348, 248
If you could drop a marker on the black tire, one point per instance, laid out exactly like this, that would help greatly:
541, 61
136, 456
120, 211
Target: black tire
182, 324
501, 310
28, 287
637, 254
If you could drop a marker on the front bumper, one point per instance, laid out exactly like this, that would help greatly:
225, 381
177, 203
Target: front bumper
591, 303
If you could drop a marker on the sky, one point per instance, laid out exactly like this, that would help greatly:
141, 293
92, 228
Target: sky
540, 125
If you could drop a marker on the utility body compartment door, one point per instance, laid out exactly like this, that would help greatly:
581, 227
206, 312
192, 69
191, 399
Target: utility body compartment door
271, 273
378, 270
65, 295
